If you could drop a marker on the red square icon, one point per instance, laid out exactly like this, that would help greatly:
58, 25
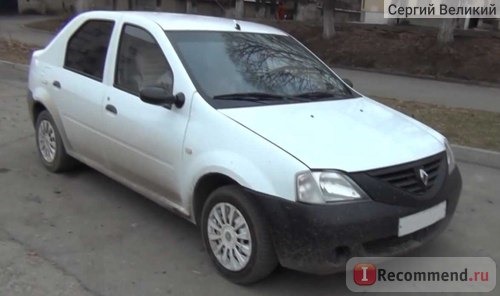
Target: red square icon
365, 274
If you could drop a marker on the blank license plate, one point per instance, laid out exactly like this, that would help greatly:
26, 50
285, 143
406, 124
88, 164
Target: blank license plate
417, 221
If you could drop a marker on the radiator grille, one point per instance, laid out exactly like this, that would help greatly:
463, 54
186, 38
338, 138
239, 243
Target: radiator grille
409, 178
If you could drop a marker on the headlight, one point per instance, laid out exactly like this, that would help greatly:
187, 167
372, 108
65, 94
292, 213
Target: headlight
328, 186
450, 157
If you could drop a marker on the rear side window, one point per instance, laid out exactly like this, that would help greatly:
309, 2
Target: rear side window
87, 48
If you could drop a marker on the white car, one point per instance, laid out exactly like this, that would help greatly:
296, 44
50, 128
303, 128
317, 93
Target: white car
240, 129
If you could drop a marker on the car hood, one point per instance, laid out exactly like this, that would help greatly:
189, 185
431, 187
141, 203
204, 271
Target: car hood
349, 135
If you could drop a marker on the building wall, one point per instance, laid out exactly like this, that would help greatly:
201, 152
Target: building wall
373, 12
373, 5
173, 5
84, 5
374, 18
345, 10
206, 8
70, 6
45, 6
308, 12
61, 6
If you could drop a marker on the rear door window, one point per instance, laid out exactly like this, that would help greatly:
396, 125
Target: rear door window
87, 48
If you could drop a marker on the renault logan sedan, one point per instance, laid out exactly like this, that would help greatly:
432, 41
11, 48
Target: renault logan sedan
243, 131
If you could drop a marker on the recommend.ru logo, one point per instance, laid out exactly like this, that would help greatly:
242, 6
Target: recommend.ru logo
421, 274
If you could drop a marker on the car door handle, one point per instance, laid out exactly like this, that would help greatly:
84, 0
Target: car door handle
112, 109
56, 84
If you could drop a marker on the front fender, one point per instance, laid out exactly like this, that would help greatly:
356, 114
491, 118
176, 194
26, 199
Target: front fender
218, 144
232, 165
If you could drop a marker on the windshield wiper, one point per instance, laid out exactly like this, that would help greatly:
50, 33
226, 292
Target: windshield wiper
251, 96
258, 97
322, 95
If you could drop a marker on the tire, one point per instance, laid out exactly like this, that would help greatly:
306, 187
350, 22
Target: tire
257, 263
47, 134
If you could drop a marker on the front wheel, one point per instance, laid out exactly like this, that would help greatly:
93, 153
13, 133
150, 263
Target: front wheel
236, 236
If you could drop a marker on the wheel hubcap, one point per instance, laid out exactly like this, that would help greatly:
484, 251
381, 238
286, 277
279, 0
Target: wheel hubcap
229, 236
47, 141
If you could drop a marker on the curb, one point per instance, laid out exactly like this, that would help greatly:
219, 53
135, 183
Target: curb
22, 67
40, 31
478, 156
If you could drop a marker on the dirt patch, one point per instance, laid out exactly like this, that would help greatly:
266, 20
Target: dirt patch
15, 52
461, 126
405, 49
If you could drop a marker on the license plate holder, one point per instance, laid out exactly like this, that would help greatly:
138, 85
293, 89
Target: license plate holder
417, 221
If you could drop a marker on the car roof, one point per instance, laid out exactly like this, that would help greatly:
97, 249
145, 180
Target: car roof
191, 22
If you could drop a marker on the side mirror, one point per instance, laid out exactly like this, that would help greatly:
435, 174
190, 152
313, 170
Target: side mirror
159, 96
348, 82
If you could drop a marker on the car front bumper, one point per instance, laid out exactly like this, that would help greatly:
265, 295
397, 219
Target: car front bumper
321, 238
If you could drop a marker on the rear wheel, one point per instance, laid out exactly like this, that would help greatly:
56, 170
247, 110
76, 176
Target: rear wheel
50, 146
236, 236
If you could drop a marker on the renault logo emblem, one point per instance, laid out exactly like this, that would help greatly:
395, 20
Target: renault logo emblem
424, 177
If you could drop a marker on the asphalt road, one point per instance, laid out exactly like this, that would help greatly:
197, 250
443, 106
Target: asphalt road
83, 234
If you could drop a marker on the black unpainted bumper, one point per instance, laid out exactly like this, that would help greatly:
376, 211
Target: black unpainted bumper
321, 238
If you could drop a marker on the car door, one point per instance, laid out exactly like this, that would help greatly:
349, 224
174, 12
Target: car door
79, 91
144, 141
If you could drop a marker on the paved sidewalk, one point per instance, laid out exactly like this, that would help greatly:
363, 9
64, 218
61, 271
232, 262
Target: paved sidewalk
12, 27
424, 90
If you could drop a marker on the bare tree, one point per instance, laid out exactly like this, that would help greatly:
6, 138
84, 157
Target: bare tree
276, 64
191, 6
81, 6
260, 7
328, 19
298, 7
239, 9
446, 31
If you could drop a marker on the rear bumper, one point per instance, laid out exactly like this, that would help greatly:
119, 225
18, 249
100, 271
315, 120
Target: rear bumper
321, 238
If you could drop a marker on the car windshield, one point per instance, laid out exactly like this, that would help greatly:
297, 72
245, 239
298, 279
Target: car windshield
236, 69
